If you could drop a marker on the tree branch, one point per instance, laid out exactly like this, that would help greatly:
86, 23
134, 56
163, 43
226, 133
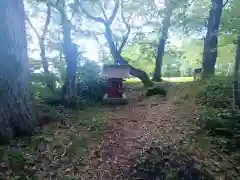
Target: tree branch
104, 13
225, 3
114, 13
47, 21
126, 35
98, 19
60, 9
32, 26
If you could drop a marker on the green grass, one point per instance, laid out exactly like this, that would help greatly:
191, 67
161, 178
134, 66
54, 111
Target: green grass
178, 79
170, 79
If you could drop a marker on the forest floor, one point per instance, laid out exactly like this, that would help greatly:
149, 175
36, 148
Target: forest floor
132, 130
117, 142
168, 126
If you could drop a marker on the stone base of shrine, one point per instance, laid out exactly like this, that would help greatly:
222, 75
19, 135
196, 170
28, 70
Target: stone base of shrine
108, 100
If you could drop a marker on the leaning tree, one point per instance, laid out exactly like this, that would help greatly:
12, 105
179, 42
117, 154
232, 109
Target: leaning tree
16, 112
109, 35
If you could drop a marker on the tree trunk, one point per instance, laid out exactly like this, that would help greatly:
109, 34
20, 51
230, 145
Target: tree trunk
210, 51
118, 59
17, 116
70, 52
41, 42
50, 83
112, 46
236, 74
160, 52
142, 75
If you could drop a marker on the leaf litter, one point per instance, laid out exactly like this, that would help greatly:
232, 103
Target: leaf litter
152, 139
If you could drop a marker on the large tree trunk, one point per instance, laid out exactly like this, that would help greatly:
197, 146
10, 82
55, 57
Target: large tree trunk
70, 53
160, 52
236, 92
210, 51
118, 59
16, 112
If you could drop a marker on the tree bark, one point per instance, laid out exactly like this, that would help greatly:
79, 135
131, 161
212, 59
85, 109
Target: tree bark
70, 53
210, 51
42, 38
42, 41
160, 51
236, 93
17, 116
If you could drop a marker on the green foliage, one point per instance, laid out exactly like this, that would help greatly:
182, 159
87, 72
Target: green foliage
220, 121
224, 124
216, 92
70, 178
18, 162
39, 81
218, 117
91, 85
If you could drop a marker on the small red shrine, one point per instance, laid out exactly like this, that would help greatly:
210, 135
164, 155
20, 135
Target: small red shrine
116, 75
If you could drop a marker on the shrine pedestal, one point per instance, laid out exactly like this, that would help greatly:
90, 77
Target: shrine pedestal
111, 100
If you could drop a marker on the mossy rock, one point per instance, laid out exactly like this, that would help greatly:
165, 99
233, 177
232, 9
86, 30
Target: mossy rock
155, 91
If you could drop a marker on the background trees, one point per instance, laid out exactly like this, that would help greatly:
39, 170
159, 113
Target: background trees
140, 30
55, 63
157, 39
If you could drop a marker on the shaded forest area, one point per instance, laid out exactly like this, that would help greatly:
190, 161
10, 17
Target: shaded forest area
183, 118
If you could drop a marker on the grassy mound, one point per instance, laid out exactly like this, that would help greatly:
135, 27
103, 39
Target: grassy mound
216, 92
218, 117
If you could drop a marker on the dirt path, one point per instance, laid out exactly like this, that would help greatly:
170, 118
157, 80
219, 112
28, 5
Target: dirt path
132, 128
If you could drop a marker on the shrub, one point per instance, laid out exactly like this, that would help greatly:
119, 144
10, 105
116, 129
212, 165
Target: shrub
42, 95
91, 85
224, 124
216, 92
218, 117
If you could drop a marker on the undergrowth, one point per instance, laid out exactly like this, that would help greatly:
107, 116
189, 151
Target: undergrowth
219, 119
57, 152
59, 148
167, 163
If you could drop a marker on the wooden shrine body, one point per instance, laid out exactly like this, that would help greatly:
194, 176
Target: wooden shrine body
116, 75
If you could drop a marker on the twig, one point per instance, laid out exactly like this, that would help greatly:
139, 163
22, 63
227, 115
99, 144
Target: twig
225, 3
